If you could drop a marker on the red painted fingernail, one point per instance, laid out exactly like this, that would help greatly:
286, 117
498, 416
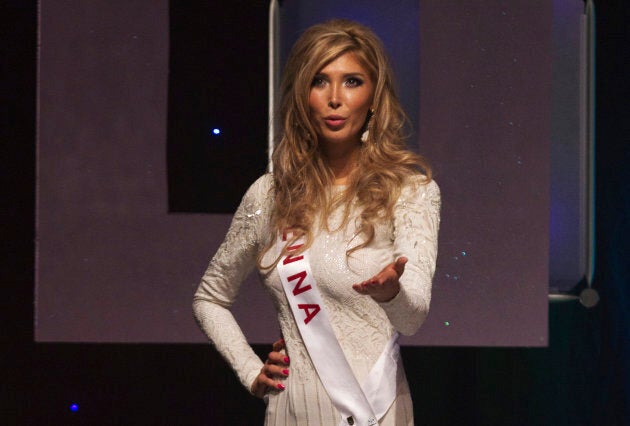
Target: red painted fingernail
285, 372
281, 386
286, 359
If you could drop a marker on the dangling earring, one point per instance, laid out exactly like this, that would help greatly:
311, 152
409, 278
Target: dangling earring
368, 125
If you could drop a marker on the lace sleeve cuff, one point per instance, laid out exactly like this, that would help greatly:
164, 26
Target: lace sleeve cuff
405, 313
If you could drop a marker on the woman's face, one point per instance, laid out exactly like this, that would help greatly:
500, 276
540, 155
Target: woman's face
340, 98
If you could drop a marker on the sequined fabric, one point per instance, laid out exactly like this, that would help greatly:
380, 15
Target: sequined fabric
361, 325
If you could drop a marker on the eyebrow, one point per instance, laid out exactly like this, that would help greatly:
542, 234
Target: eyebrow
350, 74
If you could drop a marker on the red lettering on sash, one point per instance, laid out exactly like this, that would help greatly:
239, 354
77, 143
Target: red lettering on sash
290, 258
300, 276
310, 310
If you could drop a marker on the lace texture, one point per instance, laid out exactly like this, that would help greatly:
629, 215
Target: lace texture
361, 325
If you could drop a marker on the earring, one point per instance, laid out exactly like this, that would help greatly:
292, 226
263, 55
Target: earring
368, 125
365, 135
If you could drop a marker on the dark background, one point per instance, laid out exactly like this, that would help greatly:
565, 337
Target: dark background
113, 265
583, 377
239, 106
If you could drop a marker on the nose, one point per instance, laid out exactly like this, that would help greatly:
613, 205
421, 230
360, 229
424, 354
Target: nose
334, 101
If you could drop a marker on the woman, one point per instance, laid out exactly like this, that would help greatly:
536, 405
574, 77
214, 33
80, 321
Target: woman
356, 215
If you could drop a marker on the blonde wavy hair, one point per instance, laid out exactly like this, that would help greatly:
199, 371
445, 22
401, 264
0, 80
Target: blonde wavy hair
302, 178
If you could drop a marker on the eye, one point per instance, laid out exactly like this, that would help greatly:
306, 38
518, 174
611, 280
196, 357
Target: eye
318, 81
354, 82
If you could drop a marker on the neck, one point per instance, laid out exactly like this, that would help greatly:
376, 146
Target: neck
342, 162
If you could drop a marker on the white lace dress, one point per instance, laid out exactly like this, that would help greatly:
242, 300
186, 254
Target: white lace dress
362, 326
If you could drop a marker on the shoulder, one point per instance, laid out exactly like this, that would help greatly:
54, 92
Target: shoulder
258, 198
417, 185
421, 194
419, 202
262, 188
264, 182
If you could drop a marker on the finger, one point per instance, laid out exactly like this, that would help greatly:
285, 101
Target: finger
359, 288
372, 282
375, 280
399, 265
259, 387
276, 364
277, 358
267, 379
278, 345
272, 370
263, 382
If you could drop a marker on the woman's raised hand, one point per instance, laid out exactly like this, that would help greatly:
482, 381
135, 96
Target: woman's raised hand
277, 365
385, 285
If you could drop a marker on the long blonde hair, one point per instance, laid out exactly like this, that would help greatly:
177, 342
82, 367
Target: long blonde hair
301, 176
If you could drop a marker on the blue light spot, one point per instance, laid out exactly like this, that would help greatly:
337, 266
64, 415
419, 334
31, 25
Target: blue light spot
216, 131
74, 408
464, 253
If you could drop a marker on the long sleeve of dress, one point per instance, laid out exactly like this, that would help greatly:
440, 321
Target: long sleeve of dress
234, 260
416, 225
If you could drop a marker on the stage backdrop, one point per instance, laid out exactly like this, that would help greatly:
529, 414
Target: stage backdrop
114, 264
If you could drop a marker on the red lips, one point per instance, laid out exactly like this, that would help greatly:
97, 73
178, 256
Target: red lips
334, 120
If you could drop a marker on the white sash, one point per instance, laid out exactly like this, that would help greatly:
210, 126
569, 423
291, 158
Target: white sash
359, 405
